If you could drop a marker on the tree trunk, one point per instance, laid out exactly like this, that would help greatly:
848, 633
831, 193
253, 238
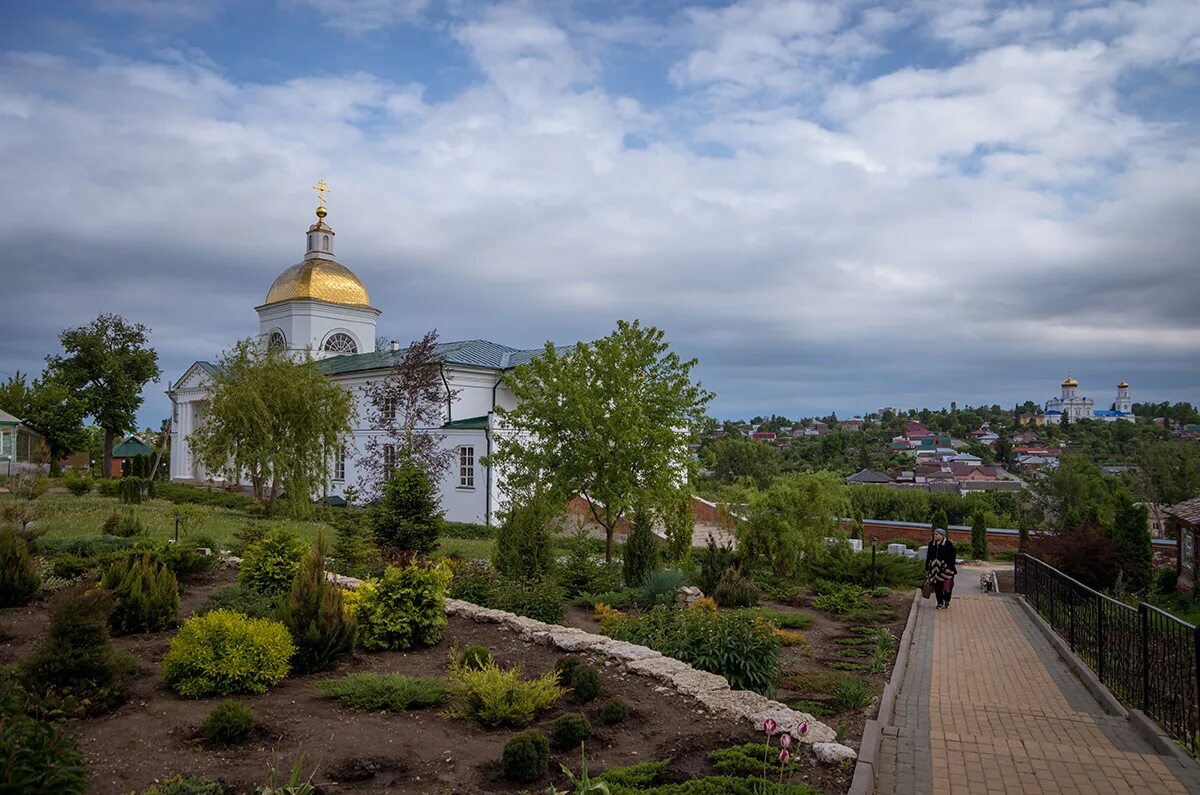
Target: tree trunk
608, 544
106, 464
164, 440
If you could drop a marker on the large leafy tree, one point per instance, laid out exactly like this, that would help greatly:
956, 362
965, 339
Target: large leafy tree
14, 395
275, 419
57, 413
106, 364
608, 420
789, 522
743, 458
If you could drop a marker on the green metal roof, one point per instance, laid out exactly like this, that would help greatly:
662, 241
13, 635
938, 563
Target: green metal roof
467, 353
131, 447
471, 423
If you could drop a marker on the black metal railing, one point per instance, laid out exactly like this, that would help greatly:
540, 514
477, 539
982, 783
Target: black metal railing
1146, 657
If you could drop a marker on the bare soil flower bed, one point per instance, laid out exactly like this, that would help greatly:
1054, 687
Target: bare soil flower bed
153, 735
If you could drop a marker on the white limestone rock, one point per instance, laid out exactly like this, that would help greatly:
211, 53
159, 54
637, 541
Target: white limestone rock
628, 652
576, 642
833, 753
688, 595
659, 668
693, 682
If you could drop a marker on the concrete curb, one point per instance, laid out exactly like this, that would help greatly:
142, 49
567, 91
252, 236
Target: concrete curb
865, 768
1150, 731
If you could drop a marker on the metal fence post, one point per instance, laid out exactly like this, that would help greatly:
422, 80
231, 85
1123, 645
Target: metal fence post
1071, 618
1194, 730
1100, 637
1144, 615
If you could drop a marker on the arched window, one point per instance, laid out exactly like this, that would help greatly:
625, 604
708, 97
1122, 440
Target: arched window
340, 343
324, 242
277, 342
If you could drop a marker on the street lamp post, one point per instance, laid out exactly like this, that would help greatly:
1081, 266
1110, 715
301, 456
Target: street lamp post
176, 526
874, 544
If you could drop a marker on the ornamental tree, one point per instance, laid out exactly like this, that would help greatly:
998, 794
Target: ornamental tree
607, 420
789, 522
276, 419
106, 364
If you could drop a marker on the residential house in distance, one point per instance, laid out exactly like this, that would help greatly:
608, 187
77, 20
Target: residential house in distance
852, 424
1185, 519
21, 447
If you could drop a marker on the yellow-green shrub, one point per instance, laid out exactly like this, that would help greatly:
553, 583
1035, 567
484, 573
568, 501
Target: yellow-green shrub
404, 609
221, 653
496, 697
271, 563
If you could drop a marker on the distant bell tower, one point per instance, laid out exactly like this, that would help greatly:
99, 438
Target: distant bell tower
1123, 402
1069, 386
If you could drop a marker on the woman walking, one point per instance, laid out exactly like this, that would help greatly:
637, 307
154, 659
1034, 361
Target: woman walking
940, 565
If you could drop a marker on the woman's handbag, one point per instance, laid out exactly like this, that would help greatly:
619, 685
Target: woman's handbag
927, 589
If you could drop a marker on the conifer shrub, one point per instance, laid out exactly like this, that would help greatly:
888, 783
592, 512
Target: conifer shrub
565, 667
523, 548
713, 561
404, 609
191, 785
614, 712
585, 683
570, 730
354, 549
77, 485
395, 692
314, 615
735, 590
270, 564
229, 723
474, 582
74, 668
145, 594
20, 579
88, 545
124, 525
661, 587
409, 516
978, 536
240, 599
498, 697
475, 657
110, 523
541, 599
641, 548
186, 560
38, 757
526, 757
222, 653
108, 487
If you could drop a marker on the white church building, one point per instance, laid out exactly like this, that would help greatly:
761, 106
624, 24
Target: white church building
319, 305
1084, 408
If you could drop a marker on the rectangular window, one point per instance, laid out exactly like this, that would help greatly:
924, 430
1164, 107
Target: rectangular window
339, 464
388, 412
389, 459
466, 467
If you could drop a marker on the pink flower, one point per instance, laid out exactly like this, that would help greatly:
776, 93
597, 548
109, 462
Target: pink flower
804, 728
769, 726
785, 740
784, 756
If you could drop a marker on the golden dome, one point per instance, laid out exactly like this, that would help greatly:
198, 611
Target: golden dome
319, 280
1070, 382
1123, 385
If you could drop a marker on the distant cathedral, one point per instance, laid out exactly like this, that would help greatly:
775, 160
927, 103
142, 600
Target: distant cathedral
1084, 408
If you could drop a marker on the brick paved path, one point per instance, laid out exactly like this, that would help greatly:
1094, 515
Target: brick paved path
987, 706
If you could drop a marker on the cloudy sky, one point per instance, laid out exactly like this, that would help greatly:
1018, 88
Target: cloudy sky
834, 205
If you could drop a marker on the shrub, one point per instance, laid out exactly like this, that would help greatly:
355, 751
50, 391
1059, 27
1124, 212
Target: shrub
882, 592
132, 489
186, 560
581, 570
110, 524
475, 657
74, 667
496, 697
314, 615
746, 761
614, 712
108, 488
523, 549
270, 564
791, 637
474, 582
88, 545
734, 590
714, 560
240, 599
404, 609
247, 536
837, 598
641, 547
526, 757
1165, 580
469, 530
145, 594
570, 730
408, 516
851, 693
585, 683
38, 757
77, 486
541, 599
71, 567
978, 536
20, 579
840, 563
354, 550
183, 493
192, 785
395, 692
1085, 555
661, 587
221, 653
229, 723
565, 667
740, 646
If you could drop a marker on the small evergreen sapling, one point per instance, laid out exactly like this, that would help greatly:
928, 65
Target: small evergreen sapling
409, 516
314, 615
978, 536
526, 757
641, 548
523, 549
19, 577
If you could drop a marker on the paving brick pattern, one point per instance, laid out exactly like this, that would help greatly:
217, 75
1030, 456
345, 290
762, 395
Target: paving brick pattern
987, 707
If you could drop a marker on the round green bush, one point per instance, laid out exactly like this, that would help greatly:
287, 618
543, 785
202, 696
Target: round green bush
585, 683
526, 757
229, 723
614, 712
78, 486
192, 785
270, 564
38, 757
222, 653
475, 657
570, 730
405, 609
19, 577
566, 666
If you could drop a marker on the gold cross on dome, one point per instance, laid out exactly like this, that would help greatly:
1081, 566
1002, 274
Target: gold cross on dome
321, 188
